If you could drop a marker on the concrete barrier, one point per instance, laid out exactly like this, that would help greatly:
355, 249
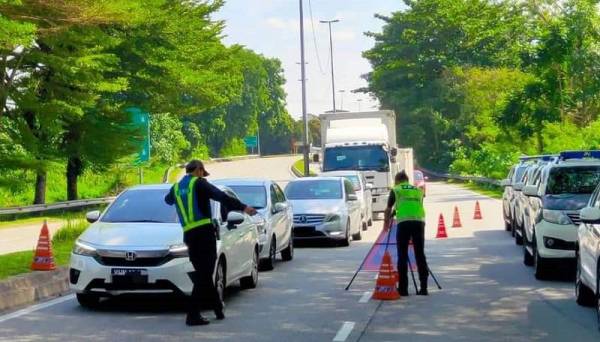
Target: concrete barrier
31, 287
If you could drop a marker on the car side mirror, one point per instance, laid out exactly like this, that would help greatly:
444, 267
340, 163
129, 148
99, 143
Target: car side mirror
590, 215
505, 182
234, 218
280, 206
352, 197
92, 216
518, 186
530, 190
369, 186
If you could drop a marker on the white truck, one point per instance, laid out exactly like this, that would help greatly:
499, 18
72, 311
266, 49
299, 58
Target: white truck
366, 142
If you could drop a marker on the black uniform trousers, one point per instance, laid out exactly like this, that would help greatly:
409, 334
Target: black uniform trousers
414, 230
202, 249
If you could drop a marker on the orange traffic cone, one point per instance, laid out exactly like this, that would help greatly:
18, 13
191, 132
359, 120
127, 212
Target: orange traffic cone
456, 219
385, 287
477, 215
43, 259
441, 233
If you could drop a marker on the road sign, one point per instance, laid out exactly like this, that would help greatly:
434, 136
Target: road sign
142, 120
251, 142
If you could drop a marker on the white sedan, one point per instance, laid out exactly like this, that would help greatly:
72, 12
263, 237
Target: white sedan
136, 247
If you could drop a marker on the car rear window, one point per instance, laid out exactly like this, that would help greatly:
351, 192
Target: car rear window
573, 180
316, 189
141, 206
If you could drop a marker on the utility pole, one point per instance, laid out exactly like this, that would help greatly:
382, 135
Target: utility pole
303, 72
359, 103
342, 91
329, 22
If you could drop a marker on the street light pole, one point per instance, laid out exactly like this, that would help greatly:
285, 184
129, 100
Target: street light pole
359, 103
303, 72
329, 22
342, 91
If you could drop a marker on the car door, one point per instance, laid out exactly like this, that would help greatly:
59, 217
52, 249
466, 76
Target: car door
227, 238
284, 224
239, 255
277, 217
353, 206
589, 238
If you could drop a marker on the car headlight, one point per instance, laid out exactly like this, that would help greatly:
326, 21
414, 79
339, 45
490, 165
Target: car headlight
178, 251
556, 216
84, 249
332, 218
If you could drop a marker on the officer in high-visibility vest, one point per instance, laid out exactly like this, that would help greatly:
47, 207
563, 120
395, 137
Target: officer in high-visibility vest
191, 196
407, 201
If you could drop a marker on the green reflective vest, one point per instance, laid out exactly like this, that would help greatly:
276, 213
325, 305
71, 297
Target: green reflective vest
409, 203
187, 204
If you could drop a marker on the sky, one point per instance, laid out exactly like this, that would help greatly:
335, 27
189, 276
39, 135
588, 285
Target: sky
271, 27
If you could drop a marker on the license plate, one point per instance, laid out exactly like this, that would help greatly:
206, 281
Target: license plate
129, 275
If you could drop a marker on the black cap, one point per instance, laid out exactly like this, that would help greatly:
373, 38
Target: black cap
195, 164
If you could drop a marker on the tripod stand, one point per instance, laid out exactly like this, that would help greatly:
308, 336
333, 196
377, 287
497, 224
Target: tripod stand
412, 273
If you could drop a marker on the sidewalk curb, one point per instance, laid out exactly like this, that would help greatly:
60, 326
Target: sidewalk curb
32, 287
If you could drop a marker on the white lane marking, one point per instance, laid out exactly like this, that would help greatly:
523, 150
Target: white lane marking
34, 308
365, 297
344, 332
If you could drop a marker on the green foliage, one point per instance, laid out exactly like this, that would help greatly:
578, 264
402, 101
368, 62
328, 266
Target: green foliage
234, 147
475, 83
167, 139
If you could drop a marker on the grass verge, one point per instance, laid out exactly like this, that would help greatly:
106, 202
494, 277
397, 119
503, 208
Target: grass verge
299, 167
62, 244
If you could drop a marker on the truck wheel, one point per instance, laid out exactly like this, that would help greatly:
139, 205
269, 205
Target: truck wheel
585, 296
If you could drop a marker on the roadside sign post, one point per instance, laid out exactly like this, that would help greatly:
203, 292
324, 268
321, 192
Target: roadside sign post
251, 143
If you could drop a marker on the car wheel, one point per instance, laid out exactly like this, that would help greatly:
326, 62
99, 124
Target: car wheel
584, 295
507, 226
220, 280
288, 253
519, 238
251, 281
365, 226
269, 263
527, 257
87, 300
370, 222
346, 241
540, 264
357, 236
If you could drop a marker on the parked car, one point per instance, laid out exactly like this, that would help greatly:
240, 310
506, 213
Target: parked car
275, 219
419, 180
136, 246
509, 195
363, 192
564, 188
587, 281
325, 207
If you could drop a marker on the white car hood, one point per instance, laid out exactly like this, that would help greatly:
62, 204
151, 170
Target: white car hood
318, 206
138, 235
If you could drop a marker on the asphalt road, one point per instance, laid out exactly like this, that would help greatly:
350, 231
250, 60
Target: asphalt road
488, 295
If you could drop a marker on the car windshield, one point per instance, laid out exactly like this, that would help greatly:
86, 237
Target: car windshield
314, 189
141, 206
369, 157
573, 180
252, 195
519, 173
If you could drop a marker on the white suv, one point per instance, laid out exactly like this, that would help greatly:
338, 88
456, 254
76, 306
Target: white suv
560, 190
136, 247
587, 286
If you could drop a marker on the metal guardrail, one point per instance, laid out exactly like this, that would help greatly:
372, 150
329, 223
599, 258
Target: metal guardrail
54, 206
463, 178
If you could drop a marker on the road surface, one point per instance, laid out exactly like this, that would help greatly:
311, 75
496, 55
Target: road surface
488, 294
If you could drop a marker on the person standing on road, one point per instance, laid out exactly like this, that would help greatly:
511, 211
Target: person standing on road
407, 201
191, 197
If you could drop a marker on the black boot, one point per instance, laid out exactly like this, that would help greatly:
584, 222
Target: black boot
219, 313
403, 292
195, 319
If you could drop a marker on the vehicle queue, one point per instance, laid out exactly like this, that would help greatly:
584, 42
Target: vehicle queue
551, 205
135, 245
